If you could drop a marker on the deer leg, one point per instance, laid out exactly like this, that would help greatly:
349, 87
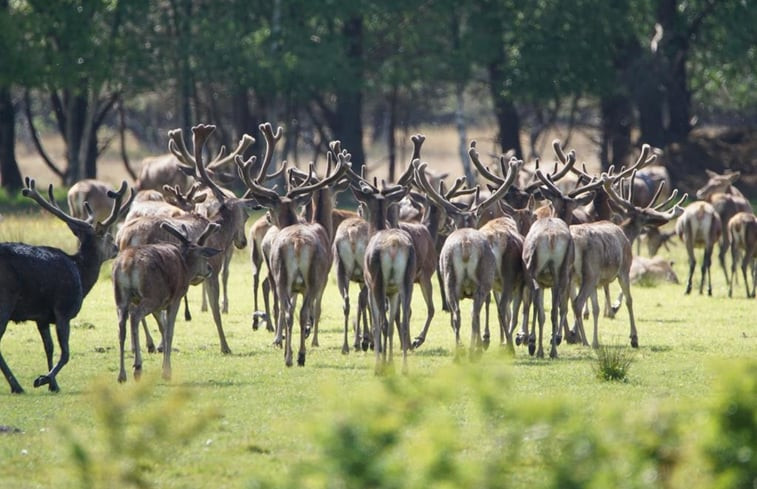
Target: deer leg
692, 264
527, 297
343, 284
625, 285
748, 258
47, 342
225, 280
706, 265
487, 335
135, 318
725, 243
257, 261
428, 297
187, 313
476, 343
4, 318
306, 316
503, 309
168, 331
734, 260
579, 303
362, 335
62, 330
204, 306
595, 312
149, 342
123, 315
286, 320
266, 316
540, 317
213, 293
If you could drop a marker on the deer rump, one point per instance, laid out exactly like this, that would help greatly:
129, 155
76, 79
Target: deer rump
28, 293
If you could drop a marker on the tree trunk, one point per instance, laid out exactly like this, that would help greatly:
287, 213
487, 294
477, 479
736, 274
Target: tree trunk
508, 122
10, 176
674, 49
462, 144
617, 121
348, 122
391, 132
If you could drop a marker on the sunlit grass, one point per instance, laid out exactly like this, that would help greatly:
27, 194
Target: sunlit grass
267, 410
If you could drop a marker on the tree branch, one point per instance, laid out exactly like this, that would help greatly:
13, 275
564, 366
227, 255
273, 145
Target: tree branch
35, 137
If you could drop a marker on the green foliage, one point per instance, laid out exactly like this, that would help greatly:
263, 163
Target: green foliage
134, 432
613, 362
730, 443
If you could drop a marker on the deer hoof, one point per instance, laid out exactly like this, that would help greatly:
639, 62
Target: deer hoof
634, 341
571, 337
307, 332
41, 380
365, 344
531, 348
485, 342
345, 349
301, 359
417, 343
557, 339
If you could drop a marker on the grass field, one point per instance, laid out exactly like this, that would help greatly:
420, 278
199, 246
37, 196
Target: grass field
246, 420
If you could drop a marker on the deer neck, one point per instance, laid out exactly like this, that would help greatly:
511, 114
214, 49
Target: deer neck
431, 219
285, 215
88, 260
323, 207
631, 228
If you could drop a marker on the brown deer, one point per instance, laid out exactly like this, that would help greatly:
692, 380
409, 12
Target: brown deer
467, 262
727, 201
230, 211
389, 267
603, 252
350, 242
94, 193
152, 279
300, 254
46, 285
699, 227
742, 229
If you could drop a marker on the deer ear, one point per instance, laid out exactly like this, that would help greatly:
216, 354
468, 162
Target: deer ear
732, 177
531, 205
711, 173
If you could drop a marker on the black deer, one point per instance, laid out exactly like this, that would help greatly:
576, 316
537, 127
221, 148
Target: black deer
46, 285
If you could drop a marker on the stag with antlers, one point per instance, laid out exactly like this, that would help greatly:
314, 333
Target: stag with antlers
46, 285
300, 254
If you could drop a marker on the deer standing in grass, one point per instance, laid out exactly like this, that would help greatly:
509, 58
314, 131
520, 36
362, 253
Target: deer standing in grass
152, 279
46, 285
742, 229
727, 201
603, 252
300, 255
467, 262
699, 227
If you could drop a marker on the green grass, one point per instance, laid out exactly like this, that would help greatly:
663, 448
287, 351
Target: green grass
261, 419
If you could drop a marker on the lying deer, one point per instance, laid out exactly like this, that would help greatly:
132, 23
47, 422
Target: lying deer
46, 285
152, 279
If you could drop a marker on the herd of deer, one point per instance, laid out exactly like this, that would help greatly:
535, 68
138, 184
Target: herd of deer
479, 242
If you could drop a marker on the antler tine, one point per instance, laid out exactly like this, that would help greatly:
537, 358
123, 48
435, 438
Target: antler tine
420, 177
117, 210
473, 154
512, 172
656, 194
178, 148
271, 139
358, 182
568, 161
220, 160
31, 192
459, 182
253, 187
200, 135
673, 195
608, 186
180, 234
594, 184
676, 210
550, 186
343, 160
207, 232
